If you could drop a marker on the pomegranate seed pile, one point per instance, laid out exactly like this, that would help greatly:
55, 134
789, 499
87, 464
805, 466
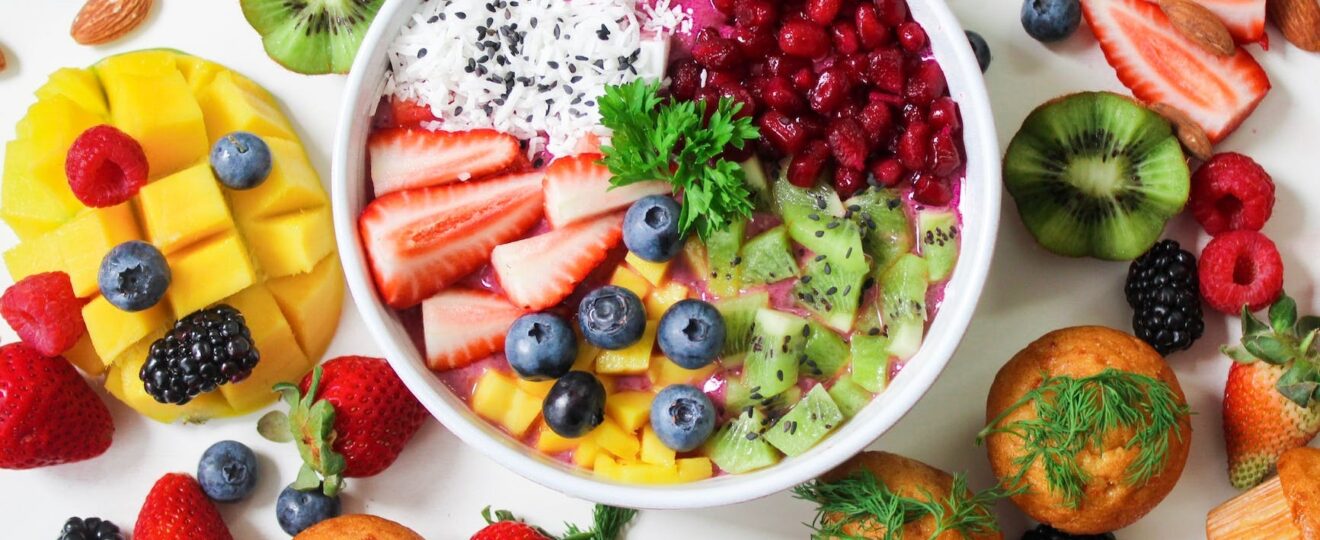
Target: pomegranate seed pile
843, 88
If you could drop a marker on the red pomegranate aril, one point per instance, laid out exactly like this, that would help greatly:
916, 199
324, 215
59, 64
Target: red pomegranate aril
831, 90
878, 121
741, 95
823, 12
720, 79
944, 113
779, 94
886, 71
913, 114
710, 95
715, 51
755, 13
930, 191
926, 83
887, 172
944, 157
912, 146
856, 65
813, 125
725, 6
686, 79
753, 41
892, 12
870, 30
911, 37
737, 155
781, 64
844, 36
803, 39
848, 143
849, 109
784, 133
805, 167
893, 100
848, 181
804, 79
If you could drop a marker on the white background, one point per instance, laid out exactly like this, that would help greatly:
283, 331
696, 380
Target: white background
439, 487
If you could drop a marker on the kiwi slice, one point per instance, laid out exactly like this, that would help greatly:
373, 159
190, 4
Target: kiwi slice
939, 241
886, 229
768, 258
1096, 174
806, 424
738, 446
739, 314
311, 36
771, 366
824, 354
724, 259
757, 184
849, 396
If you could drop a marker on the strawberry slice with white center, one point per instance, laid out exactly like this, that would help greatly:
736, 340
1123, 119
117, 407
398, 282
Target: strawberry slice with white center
578, 188
406, 158
541, 271
420, 241
1245, 19
1159, 65
465, 325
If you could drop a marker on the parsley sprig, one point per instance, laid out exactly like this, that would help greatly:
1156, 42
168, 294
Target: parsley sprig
1072, 414
659, 139
862, 503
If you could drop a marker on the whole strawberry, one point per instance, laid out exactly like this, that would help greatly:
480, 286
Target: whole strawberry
1272, 398
48, 413
608, 523
176, 509
351, 417
510, 530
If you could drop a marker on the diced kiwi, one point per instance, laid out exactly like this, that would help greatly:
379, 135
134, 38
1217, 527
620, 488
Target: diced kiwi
886, 229
694, 253
738, 447
805, 210
939, 232
768, 258
870, 362
1097, 174
757, 183
903, 289
723, 259
849, 396
771, 365
824, 354
738, 398
739, 315
831, 283
810, 421
311, 37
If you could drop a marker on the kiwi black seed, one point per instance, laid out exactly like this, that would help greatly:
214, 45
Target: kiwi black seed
1096, 174
311, 36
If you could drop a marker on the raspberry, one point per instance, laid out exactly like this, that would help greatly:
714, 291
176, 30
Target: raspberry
1231, 192
105, 167
1240, 268
44, 312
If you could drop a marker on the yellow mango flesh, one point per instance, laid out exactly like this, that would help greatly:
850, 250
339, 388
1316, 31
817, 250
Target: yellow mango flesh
664, 372
77, 85
654, 272
615, 440
114, 330
311, 303
498, 399
150, 101
229, 108
206, 273
83, 356
664, 298
194, 189
553, 443
630, 409
30, 204
631, 360
291, 243
628, 279
292, 185
281, 358
653, 450
75, 248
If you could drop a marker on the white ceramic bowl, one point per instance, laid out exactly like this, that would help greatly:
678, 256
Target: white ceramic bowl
980, 213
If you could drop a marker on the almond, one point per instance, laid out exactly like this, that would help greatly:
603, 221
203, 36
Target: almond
1190, 134
1299, 20
2, 60
103, 21
1200, 25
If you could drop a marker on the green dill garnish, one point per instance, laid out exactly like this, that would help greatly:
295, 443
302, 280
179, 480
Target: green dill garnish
659, 139
1074, 414
863, 501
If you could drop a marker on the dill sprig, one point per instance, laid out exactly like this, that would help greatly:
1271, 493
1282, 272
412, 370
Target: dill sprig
1073, 414
862, 501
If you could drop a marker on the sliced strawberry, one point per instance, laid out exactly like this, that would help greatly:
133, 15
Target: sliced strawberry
1159, 65
1245, 19
541, 271
405, 113
421, 240
577, 188
405, 158
465, 325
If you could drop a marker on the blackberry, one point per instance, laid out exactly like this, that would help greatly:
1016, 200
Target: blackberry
204, 350
1046, 532
89, 529
1165, 296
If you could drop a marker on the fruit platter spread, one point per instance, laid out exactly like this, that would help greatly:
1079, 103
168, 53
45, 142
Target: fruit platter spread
662, 241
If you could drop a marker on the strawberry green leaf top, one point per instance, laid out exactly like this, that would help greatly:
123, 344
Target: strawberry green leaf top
311, 425
1288, 341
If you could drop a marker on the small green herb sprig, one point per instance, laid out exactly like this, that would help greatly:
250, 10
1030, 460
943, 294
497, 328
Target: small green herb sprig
1074, 413
862, 500
1288, 340
659, 139
608, 523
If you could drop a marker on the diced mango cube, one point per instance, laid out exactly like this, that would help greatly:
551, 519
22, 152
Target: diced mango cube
228, 107
664, 372
536, 388
184, 208
646, 473
615, 440
586, 356
630, 409
652, 271
311, 303
206, 273
123, 382
86, 240
84, 357
112, 330
585, 454
553, 443
31, 200
693, 469
292, 185
199, 73
35, 256
77, 85
631, 360
51, 125
625, 277
281, 358
497, 399
664, 298
144, 62
606, 467
291, 243
653, 450
150, 101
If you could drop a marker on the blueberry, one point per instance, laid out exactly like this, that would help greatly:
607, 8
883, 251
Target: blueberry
227, 471
1051, 20
691, 333
241, 160
650, 228
297, 510
575, 404
540, 346
612, 317
682, 417
133, 276
981, 48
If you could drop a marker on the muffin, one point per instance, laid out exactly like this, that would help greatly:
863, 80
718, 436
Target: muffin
906, 478
1109, 488
358, 527
1285, 507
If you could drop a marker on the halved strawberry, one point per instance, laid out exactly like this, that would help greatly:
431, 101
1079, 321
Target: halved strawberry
1245, 19
405, 158
422, 240
405, 113
1159, 65
465, 325
577, 188
541, 271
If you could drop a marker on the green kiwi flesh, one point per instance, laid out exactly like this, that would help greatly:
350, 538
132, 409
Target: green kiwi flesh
739, 314
311, 36
886, 229
806, 424
768, 258
738, 447
724, 261
939, 233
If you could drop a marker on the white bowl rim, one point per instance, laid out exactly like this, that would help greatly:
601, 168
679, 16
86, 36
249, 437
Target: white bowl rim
979, 206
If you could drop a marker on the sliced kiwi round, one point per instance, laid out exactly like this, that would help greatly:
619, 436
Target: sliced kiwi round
311, 36
1096, 174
